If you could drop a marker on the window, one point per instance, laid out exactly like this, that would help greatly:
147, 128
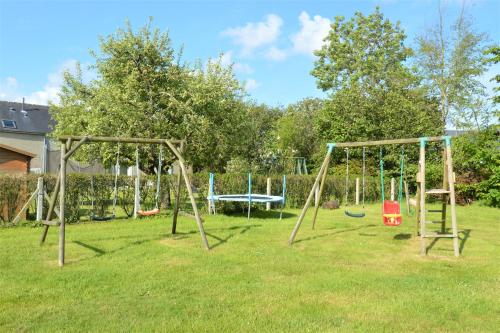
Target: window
6, 123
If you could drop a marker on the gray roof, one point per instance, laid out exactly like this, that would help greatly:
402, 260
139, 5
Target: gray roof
36, 119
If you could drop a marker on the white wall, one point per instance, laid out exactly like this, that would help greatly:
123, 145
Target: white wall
32, 143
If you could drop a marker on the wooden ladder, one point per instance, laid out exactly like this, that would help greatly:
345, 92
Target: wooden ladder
447, 194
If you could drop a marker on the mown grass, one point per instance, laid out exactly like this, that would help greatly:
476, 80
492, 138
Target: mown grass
347, 275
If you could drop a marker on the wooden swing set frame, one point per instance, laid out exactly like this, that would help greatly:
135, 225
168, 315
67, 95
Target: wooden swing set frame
67, 150
447, 192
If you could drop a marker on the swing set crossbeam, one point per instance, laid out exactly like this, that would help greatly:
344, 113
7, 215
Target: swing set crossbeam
385, 142
89, 139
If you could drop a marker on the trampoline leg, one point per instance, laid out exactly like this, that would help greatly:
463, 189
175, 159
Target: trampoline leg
281, 211
249, 205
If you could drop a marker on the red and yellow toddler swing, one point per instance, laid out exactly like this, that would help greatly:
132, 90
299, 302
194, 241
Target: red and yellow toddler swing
391, 209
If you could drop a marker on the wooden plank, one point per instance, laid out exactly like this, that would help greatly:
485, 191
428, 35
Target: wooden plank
436, 235
178, 195
437, 191
72, 151
50, 211
451, 183
385, 142
118, 139
446, 187
26, 205
309, 198
50, 223
47, 198
321, 185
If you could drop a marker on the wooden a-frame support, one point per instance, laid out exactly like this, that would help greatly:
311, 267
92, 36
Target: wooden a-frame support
447, 192
60, 187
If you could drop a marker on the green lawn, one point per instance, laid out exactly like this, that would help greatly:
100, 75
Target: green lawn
347, 275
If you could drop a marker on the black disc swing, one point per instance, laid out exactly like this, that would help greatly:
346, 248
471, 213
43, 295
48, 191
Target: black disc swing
346, 211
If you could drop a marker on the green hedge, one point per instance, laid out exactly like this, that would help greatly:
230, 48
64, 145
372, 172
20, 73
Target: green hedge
79, 192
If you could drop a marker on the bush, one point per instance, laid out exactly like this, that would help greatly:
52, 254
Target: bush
477, 165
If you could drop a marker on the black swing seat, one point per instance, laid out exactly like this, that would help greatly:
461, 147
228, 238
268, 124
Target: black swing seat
350, 214
102, 218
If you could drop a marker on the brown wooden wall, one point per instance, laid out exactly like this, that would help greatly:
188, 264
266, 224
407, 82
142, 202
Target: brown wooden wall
12, 162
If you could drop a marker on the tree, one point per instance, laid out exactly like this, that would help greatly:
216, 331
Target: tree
373, 95
143, 90
452, 62
259, 138
297, 135
494, 51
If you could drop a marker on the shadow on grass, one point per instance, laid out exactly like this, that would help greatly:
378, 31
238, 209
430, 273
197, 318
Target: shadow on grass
402, 236
261, 214
243, 230
463, 239
335, 233
100, 252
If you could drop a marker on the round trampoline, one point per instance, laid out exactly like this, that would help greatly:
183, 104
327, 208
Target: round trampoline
249, 197
245, 198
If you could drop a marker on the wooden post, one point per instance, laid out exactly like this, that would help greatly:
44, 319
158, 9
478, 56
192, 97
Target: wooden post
39, 199
25, 207
209, 202
316, 196
52, 205
444, 196
417, 209
423, 249
178, 196
321, 185
62, 199
309, 198
451, 183
137, 192
393, 186
357, 191
268, 192
190, 193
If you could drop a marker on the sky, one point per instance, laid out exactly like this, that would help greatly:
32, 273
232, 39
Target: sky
270, 43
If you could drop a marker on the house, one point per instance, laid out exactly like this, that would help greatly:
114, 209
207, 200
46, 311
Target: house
25, 129
13, 160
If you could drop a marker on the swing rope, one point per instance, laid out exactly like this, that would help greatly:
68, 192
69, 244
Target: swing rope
156, 209
115, 193
351, 214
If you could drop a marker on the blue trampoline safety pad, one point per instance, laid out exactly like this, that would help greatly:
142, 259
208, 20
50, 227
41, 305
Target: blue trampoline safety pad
245, 198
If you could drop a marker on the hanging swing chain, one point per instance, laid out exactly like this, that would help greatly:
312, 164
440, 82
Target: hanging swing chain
401, 174
117, 170
382, 190
347, 178
158, 180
